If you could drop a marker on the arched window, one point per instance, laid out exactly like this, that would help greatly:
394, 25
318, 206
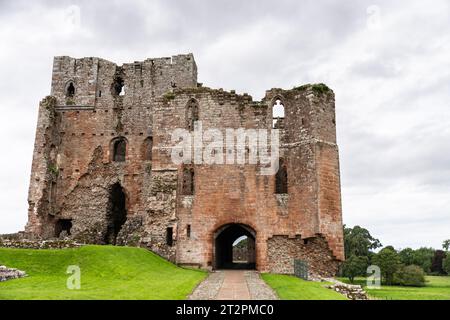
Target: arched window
118, 87
188, 182
70, 90
147, 149
119, 150
191, 114
277, 114
281, 178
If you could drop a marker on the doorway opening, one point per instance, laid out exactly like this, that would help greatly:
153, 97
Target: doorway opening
234, 247
63, 227
117, 213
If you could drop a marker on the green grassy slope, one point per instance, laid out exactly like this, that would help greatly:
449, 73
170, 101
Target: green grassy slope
437, 288
107, 272
293, 288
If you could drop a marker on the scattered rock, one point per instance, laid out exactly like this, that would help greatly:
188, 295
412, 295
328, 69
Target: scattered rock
352, 292
9, 273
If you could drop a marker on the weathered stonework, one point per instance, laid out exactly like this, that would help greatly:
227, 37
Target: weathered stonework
314, 251
39, 244
102, 169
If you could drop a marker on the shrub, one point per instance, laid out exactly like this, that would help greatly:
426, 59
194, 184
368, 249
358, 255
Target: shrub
411, 276
318, 88
169, 95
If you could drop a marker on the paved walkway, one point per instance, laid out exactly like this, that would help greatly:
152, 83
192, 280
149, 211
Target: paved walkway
233, 285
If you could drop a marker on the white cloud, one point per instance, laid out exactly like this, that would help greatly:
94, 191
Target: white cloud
390, 73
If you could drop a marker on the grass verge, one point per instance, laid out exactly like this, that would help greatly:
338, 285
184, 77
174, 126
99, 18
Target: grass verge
107, 272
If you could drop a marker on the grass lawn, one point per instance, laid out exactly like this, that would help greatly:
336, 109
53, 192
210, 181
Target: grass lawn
293, 288
107, 272
437, 288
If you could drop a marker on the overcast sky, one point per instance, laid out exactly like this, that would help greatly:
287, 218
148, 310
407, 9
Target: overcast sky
388, 63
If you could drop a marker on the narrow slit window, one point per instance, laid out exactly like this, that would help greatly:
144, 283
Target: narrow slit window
169, 236
192, 114
188, 182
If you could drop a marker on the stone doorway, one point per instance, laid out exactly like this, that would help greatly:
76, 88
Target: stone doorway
117, 213
234, 247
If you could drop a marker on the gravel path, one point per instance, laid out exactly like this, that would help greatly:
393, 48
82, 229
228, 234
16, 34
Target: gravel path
209, 288
259, 290
233, 285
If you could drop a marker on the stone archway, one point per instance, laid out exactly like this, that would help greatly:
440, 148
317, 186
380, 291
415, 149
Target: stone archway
225, 253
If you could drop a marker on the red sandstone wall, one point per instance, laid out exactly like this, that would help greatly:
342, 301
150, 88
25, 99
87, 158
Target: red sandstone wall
75, 138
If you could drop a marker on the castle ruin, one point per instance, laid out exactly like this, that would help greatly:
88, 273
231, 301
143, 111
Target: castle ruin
102, 171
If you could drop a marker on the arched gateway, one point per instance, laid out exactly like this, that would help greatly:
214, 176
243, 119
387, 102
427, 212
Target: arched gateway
234, 247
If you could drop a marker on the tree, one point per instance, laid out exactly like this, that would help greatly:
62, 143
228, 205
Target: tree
354, 266
358, 241
446, 245
423, 258
388, 260
407, 256
446, 264
437, 262
410, 276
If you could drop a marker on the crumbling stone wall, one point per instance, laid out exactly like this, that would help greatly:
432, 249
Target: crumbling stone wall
39, 244
95, 103
282, 252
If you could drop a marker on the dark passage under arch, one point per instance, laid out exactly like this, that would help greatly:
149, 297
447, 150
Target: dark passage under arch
117, 213
224, 243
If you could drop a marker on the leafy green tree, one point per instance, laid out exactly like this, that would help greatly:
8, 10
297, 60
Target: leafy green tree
388, 260
446, 245
412, 276
354, 266
407, 256
446, 264
359, 242
423, 257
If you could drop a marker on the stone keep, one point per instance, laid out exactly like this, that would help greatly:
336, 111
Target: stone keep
102, 171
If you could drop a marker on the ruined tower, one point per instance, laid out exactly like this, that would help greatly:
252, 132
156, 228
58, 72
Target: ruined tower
102, 170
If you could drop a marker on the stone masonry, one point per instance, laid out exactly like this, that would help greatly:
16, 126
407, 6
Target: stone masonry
102, 170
